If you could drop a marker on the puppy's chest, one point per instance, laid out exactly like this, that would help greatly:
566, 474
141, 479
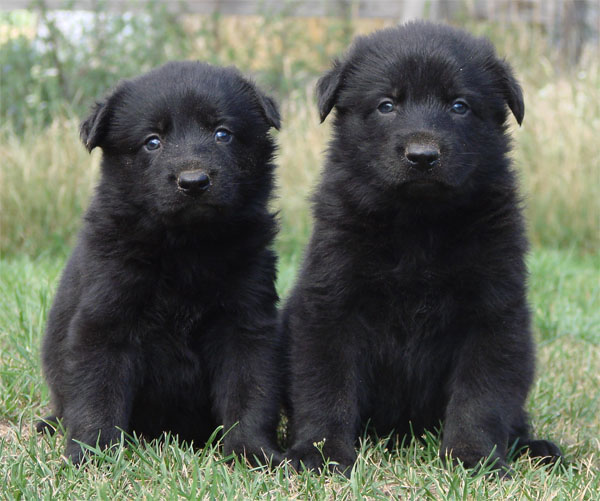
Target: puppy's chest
421, 286
178, 312
184, 296
172, 334
408, 378
418, 300
176, 317
173, 316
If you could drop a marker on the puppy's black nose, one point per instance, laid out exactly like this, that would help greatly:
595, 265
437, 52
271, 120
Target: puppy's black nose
422, 156
193, 181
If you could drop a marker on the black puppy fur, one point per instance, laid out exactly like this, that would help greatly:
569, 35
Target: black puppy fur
410, 308
165, 315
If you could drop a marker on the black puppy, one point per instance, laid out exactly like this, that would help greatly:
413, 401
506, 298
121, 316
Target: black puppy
165, 315
410, 307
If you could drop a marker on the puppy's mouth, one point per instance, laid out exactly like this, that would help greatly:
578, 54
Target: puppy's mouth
423, 185
193, 206
424, 181
192, 213
430, 177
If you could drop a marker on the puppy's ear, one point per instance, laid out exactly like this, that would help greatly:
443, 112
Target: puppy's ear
93, 128
270, 109
328, 89
513, 94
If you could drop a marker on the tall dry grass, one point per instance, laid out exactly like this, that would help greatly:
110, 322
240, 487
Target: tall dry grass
558, 152
46, 176
303, 141
46, 179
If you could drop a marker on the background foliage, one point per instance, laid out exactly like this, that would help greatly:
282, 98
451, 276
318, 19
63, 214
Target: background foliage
53, 66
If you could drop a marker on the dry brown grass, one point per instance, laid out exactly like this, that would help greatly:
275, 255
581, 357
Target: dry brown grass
46, 177
558, 151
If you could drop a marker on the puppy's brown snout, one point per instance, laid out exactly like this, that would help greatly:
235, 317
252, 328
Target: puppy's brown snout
422, 156
193, 181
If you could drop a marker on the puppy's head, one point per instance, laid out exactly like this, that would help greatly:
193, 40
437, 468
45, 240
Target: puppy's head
185, 141
421, 108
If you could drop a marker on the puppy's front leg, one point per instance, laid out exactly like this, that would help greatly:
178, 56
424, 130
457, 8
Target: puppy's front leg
325, 382
98, 394
246, 388
487, 393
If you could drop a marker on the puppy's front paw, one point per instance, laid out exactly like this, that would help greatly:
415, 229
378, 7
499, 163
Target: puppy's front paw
472, 459
75, 453
548, 452
256, 455
99, 441
310, 456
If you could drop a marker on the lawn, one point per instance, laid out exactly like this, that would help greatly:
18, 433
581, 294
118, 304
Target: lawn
564, 405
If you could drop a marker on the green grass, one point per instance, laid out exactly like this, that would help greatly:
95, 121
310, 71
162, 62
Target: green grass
564, 405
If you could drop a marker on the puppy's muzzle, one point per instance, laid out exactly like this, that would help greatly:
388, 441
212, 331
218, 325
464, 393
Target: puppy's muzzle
193, 182
422, 156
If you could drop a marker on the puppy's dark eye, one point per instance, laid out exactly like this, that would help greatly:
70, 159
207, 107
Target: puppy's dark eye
459, 107
223, 136
153, 143
385, 107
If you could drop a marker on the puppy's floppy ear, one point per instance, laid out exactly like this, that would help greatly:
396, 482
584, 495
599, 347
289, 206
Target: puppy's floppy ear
93, 128
511, 89
270, 109
328, 88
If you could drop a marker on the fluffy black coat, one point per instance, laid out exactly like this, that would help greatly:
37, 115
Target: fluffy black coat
165, 315
410, 308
